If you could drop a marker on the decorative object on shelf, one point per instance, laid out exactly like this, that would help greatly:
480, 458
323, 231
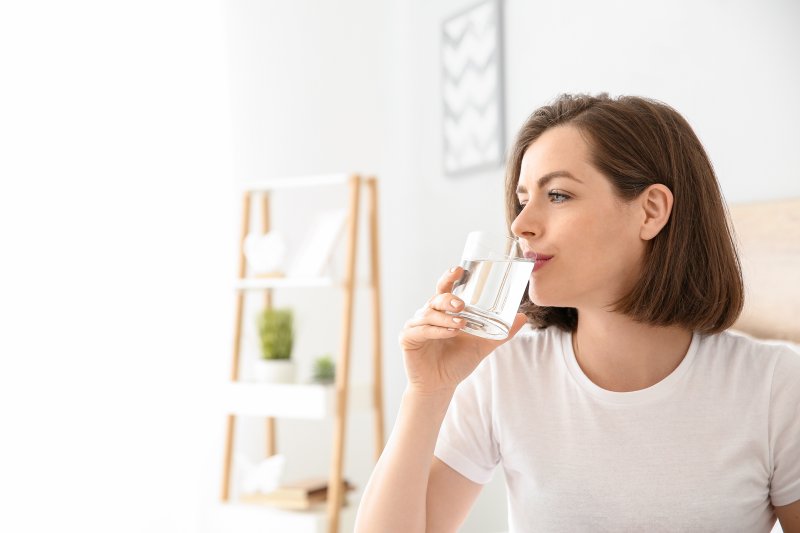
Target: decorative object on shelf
472, 89
318, 245
265, 253
276, 332
264, 476
301, 495
324, 370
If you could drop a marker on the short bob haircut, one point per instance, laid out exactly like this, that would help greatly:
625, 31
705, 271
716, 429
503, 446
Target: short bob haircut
691, 272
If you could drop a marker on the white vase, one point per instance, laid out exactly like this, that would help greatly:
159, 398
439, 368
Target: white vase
274, 370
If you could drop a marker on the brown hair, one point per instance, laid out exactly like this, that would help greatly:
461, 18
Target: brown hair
691, 272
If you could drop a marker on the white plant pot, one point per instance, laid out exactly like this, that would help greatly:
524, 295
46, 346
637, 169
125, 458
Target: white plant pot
274, 370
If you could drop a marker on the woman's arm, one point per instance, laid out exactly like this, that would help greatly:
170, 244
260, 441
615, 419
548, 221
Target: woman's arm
409, 490
789, 517
450, 498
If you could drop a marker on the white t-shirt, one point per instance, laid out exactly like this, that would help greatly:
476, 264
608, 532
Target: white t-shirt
709, 448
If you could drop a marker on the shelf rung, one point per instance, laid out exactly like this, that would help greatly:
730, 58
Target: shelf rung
293, 182
295, 401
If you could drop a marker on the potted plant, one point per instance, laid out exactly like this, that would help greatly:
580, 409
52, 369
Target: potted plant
324, 370
276, 333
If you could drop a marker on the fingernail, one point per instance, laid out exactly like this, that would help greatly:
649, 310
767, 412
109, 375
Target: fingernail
451, 329
453, 269
455, 303
456, 320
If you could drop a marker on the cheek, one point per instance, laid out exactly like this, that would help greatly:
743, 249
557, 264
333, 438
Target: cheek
591, 243
621, 265
605, 252
612, 236
635, 259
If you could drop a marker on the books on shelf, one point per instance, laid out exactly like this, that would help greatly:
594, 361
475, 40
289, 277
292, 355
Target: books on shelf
301, 495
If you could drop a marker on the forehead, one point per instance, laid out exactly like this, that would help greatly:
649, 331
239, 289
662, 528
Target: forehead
559, 148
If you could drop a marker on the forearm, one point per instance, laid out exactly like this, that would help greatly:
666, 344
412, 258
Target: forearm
394, 499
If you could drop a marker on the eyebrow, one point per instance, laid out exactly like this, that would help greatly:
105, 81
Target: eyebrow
547, 177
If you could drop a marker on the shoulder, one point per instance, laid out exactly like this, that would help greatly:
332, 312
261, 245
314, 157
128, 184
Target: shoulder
732, 353
738, 346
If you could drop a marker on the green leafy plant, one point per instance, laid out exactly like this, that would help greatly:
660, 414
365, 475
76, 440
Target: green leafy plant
275, 329
324, 369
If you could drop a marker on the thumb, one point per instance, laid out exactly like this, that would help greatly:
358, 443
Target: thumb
520, 320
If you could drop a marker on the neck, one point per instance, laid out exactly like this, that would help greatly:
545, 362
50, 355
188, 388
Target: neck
621, 355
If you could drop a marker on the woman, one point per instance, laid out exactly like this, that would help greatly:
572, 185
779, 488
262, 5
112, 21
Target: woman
627, 407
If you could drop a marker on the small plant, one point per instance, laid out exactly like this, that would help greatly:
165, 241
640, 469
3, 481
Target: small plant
275, 329
324, 369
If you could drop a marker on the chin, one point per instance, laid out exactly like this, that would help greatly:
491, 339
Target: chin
541, 300
547, 299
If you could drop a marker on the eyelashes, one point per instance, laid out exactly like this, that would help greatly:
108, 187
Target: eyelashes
558, 197
554, 196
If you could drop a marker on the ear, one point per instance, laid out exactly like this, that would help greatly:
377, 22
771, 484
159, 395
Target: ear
656, 205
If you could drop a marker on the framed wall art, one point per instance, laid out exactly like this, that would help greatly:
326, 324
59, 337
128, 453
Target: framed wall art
472, 89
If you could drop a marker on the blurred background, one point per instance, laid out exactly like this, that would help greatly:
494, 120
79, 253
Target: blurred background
126, 129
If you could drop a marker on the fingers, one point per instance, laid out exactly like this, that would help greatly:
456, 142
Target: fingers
432, 317
445, 302
448, 279
418, 331
435, 319
417, 336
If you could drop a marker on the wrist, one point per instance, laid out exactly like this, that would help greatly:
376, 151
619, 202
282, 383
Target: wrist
429, 398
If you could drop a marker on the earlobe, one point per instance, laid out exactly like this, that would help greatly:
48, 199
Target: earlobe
656, 203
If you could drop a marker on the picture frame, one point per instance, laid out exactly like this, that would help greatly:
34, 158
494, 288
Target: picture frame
473, 105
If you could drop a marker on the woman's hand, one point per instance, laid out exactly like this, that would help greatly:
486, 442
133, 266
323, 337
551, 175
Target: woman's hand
437, 354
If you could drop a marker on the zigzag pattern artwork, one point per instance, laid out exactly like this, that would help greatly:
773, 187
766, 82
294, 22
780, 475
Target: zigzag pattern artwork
472, 89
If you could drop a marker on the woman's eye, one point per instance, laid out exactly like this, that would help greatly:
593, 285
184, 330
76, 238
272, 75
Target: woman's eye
557, 197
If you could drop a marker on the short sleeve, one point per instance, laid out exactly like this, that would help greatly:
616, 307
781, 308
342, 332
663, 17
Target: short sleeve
784, 429
466, 440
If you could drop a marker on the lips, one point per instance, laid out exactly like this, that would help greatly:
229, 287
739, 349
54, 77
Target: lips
537, 256
540, 259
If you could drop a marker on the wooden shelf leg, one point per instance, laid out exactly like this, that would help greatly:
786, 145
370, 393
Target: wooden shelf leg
237, 341
226, 473
377, 341
237, 336
336, 494
271, 447
270, 426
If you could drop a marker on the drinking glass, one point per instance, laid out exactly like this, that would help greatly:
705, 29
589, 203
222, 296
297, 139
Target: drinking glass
495, 276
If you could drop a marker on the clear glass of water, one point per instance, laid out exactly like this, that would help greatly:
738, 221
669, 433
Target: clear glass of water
495, 276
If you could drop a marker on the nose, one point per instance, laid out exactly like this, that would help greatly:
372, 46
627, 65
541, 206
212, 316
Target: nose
525, 225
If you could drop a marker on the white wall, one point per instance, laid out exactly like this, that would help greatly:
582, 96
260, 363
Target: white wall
729, 66
117, 235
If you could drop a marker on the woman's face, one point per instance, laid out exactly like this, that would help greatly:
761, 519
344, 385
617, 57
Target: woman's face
587, 241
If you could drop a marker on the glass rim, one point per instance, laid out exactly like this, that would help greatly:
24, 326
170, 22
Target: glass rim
473, 244
488, 233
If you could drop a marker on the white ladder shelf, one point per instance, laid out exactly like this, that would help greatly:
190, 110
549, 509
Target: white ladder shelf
309, 401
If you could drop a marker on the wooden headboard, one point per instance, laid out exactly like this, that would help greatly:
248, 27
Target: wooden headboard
768, 234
